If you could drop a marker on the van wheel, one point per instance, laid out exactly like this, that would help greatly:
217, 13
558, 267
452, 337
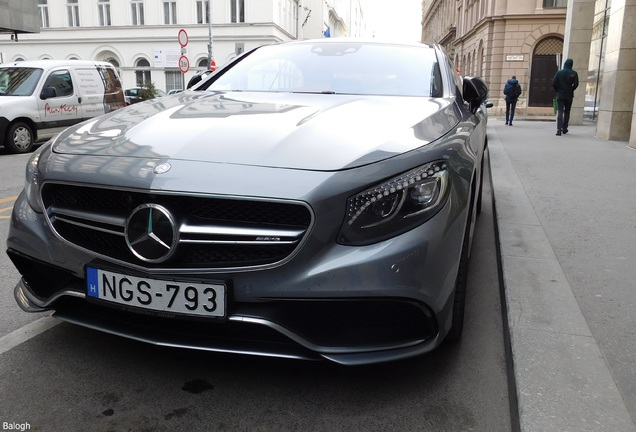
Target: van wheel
19, 138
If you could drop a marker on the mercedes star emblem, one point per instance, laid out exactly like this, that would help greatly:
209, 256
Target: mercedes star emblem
151, 233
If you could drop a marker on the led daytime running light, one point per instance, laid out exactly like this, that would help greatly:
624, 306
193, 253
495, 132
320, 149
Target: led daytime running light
365, 199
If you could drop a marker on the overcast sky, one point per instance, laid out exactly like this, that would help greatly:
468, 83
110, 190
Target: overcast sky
395, 19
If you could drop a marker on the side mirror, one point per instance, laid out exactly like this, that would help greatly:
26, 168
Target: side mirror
48, 92
198, 78
475, 92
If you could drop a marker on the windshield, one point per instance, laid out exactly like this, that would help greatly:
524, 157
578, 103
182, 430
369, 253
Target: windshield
336, 68
18, 81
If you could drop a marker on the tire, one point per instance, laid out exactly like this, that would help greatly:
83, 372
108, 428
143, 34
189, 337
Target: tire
459, 300
19, 138
481, 187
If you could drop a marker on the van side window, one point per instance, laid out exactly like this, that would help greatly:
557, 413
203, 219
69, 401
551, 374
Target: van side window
61, 81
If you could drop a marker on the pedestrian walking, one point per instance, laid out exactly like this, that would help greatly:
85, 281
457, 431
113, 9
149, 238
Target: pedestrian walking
512, 90
564, 83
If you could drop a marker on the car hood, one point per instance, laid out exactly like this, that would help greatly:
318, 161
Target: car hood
295, 131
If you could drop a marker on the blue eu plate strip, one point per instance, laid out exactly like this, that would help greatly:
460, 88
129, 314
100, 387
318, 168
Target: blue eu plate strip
92, 282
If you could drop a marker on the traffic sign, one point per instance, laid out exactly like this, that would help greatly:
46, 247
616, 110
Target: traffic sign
183, 37
184, 64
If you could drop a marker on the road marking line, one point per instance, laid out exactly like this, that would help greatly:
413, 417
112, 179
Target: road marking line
8, 199
29, 331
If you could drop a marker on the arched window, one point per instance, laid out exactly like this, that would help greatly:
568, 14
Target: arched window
113, 61
203, 63
142, 72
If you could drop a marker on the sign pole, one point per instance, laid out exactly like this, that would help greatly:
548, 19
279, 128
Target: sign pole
209, 34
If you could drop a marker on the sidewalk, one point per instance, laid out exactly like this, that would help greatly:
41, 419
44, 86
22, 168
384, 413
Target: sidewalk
566, 215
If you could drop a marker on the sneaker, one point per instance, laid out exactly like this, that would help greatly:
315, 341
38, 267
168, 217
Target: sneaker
558, 133
506, 123
565, 131
510, 124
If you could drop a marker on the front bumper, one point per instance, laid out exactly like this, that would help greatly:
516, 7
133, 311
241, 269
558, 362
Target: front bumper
351, 305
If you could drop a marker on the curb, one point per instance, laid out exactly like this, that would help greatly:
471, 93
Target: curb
561, 379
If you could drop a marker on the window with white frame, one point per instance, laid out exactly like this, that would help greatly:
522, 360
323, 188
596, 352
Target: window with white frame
142, 72
72, 11
555, 3
44, 13
203, 11
288, 15
137, 12
169, 12
174, 80
103, 10
237, 11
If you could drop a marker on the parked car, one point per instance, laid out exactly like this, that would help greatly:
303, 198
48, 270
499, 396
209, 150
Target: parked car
40, 98
134, 95
311, 200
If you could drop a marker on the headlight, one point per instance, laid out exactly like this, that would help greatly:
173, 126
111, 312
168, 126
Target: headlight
32, 180
396, 206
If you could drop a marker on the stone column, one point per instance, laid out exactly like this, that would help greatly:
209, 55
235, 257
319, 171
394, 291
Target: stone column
632, 135
578, 37
618, 87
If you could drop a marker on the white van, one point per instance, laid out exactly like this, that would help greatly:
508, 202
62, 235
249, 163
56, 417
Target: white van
41, 98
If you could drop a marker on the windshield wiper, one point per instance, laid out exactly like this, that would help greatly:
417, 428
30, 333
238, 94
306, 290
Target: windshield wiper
316, 92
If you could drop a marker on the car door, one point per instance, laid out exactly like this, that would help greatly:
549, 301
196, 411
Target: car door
58, 104
90, 90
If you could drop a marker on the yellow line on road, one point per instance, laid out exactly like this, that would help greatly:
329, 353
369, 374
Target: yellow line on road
8, 199
6, 209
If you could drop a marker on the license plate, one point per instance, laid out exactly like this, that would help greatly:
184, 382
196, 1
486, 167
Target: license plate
155, 294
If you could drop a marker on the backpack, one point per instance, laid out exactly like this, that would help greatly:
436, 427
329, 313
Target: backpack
512, 91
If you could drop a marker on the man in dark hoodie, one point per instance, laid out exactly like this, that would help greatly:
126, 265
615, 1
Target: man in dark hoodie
512, 90
564, 83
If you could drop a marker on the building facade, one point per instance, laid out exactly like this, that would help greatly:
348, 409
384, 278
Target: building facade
530, 39
141, 37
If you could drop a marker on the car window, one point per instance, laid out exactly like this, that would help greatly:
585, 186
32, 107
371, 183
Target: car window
61, 81
338, 67
19, 81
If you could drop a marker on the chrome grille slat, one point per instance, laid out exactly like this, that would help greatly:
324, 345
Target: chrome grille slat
88, 225
213, 232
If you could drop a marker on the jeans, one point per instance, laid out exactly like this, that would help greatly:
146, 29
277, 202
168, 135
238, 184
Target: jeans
563, 113
510, 111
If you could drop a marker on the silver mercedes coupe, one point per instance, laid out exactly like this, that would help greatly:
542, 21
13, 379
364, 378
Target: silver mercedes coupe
310, 199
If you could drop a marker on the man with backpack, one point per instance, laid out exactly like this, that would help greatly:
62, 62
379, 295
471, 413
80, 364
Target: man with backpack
512, 90
565, 81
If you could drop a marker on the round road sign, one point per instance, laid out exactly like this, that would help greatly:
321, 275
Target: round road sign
184, 64
183, 37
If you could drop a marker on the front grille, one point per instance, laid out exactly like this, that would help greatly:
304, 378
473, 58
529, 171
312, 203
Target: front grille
213, 232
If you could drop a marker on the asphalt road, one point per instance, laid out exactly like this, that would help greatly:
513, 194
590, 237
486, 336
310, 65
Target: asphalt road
57, 377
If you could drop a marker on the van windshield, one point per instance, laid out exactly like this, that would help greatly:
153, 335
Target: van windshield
18, 81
